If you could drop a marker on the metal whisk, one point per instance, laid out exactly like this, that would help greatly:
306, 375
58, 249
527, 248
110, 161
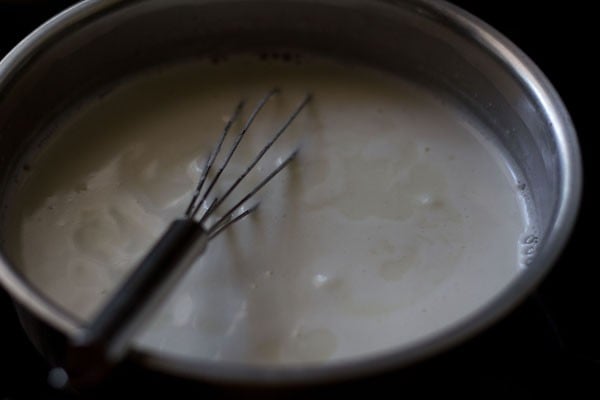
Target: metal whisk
106, 340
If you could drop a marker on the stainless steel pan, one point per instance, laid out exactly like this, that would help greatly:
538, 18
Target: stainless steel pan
95, 44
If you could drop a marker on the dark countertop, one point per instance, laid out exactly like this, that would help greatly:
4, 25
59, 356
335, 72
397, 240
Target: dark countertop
547, 346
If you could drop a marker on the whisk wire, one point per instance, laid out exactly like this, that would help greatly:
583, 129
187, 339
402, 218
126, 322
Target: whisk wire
234, 147
216, 230
258, 187
263, 151
212, 157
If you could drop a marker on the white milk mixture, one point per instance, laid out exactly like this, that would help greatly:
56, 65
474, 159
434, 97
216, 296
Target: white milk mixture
398, 218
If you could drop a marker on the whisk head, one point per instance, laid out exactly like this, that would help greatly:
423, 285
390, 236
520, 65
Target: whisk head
237, 211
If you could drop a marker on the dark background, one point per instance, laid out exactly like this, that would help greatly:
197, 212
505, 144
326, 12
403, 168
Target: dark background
547, 346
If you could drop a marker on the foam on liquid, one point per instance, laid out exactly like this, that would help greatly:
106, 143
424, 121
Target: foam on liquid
397, 220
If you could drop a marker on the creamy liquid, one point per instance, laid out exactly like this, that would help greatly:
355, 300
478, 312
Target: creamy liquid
398, 219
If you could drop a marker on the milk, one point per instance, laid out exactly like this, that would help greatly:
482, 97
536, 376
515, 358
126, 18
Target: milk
398, 219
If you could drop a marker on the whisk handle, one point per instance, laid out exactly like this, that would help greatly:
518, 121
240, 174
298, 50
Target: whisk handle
105, 341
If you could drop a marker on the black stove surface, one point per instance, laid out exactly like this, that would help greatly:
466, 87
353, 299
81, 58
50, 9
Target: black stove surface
550, 345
